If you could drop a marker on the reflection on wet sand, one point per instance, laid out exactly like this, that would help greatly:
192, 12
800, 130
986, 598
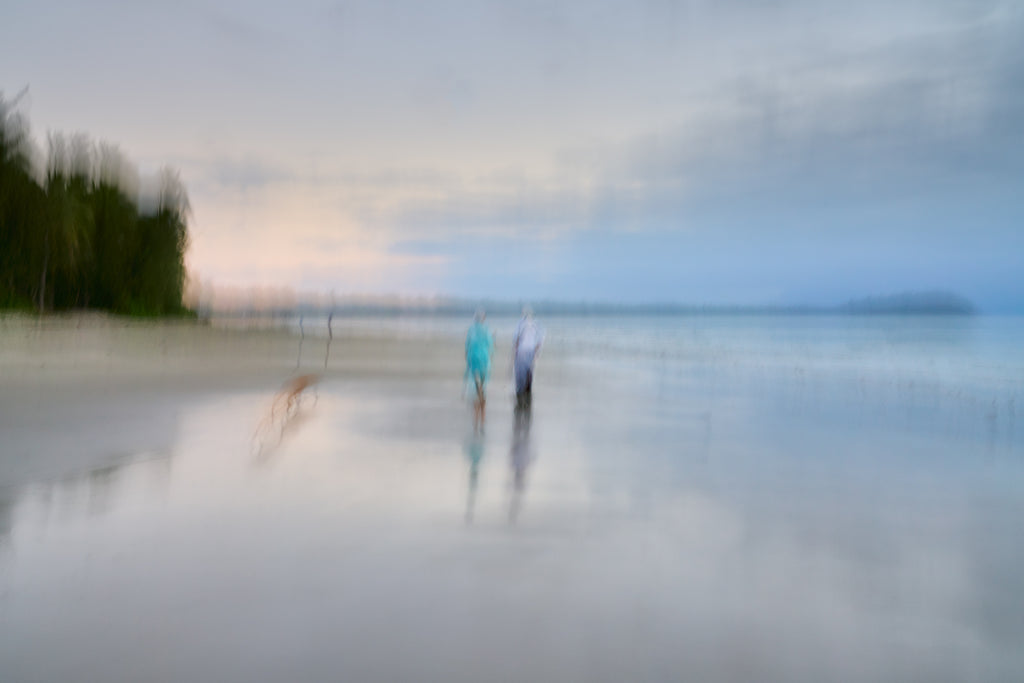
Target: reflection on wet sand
7, 502
520, 455
474, 451
287, 412
89, 494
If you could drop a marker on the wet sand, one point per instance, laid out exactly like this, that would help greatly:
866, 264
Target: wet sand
698, 524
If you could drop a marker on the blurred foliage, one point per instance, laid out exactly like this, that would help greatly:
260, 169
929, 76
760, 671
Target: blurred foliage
79, 233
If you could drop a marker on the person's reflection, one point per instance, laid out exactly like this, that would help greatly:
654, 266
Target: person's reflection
474, 453
519, 455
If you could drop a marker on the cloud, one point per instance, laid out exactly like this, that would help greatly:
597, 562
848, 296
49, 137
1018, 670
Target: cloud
907, 118
247, 174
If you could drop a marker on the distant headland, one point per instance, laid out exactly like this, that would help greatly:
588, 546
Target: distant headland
911, 303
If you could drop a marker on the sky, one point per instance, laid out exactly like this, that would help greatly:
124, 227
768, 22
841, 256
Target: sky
754, 152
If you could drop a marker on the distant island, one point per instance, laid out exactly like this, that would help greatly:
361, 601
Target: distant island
911, 303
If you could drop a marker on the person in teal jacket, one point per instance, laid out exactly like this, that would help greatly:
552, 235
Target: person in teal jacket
479, 346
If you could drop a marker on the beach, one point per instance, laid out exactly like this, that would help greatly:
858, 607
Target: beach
694, 498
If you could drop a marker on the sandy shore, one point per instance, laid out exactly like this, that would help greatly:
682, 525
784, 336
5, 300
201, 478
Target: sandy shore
80, 390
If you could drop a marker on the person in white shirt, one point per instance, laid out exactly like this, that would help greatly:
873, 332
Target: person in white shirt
525, 345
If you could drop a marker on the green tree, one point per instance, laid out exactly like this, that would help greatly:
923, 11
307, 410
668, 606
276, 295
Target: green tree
68, 227
163, 238
22, 204
116, 235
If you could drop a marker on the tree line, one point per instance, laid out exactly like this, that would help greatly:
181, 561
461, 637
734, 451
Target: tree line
80, 228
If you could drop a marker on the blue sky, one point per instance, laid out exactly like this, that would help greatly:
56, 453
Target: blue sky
702, 152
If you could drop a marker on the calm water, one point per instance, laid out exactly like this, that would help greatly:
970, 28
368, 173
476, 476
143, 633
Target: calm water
705, 498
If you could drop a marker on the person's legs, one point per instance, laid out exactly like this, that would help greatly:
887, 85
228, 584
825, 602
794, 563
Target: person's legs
523, 368
481, 398
480, 405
